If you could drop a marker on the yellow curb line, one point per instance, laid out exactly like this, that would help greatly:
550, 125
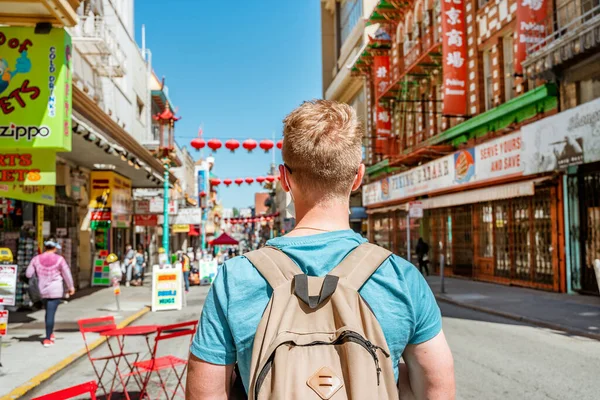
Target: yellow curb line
38, 379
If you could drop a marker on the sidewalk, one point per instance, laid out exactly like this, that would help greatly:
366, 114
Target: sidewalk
574, 314
25, 363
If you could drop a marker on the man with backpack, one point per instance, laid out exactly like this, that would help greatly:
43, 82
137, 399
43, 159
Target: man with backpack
320, 313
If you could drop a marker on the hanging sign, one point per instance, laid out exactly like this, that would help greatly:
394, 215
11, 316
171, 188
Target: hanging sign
8, 284
191, 216
381, 74
454, 48
415, 209
141, 206
531, 16
384, 121
27, 167
35, 89
166, 287
35, 194
180, 228
146, 220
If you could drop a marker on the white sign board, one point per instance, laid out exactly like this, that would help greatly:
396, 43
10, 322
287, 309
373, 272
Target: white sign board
415, 209
167, 287
187, 216
571, 137
156, 205
8, 284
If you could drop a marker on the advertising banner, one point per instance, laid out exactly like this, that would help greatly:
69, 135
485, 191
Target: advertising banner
188, 216
571, 137
101, 275
36, 194
454, 48
384, 121
8, 284
498, 158
35, 89
27, 167
146, 220
180, 228
531, 19
3, 323
381, 74
166, 288
141, 206
110, 198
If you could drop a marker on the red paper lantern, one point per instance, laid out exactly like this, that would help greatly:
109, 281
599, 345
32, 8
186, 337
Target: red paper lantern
249, 144
270, 178
203, 194
280, 144
260, 179
232, 145
249, 180
269, 218
198, 143
266, 145
227, 181
215, 181
239, 181
214, 144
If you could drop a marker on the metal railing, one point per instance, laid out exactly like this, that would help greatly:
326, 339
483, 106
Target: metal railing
569, 19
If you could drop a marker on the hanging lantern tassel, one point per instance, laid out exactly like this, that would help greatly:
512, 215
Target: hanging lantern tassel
266, 145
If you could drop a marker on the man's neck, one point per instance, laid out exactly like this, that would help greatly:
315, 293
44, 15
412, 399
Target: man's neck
311, 220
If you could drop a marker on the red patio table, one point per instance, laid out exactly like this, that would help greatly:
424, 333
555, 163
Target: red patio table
120, 335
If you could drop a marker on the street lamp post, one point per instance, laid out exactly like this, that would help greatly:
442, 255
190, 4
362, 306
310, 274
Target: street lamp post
166, 211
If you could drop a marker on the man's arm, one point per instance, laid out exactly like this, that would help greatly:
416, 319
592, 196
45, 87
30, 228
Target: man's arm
207, 381
428, 372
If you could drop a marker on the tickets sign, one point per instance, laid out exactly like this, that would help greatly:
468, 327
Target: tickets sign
35, 89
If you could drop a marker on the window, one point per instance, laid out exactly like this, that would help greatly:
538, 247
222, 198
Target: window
486, 231
589, 90
487, 76
349, 13
509, 69
482, 3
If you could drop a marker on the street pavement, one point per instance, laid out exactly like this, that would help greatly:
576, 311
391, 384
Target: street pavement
495, 357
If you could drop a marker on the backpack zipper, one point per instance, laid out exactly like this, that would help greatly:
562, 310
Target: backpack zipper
349, 336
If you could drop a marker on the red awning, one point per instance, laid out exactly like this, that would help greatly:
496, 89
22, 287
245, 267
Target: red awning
193, 231
224, 239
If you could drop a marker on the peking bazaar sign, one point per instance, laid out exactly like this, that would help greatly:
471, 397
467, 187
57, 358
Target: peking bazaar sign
454, 48
531, 15
381, 74
35, 89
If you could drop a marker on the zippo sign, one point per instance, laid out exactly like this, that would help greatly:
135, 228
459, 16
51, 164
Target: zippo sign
35, 89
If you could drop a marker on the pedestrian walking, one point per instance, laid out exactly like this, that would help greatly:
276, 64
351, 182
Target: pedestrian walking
185, 267
139, 266
53, 274
423, 255
319, 310
129, 264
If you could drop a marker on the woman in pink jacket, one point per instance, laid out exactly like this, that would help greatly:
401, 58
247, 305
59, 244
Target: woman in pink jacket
51, 270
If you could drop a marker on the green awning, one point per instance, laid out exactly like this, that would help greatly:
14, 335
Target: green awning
386, 10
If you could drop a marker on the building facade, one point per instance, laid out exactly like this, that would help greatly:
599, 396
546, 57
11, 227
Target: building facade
466, 100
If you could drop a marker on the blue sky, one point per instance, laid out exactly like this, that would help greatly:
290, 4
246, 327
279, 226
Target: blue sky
237, 67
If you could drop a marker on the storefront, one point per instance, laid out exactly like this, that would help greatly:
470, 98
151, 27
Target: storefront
570, 142
35, 124
482, 217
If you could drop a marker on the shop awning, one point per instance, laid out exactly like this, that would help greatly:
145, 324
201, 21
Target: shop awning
491, 193
224, 240
193, 231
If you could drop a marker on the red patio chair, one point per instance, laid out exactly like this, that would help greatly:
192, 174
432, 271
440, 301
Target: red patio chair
157, 364
98, 325
73, 391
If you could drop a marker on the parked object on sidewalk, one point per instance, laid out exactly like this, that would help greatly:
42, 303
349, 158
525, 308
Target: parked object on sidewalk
72, 392
52, 274
156, 364
100, 364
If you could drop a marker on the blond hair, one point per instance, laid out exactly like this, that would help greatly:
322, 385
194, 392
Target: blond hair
322, 146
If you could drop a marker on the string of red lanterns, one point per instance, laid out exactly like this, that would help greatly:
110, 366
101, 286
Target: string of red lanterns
232, 144
249, 180
246, 220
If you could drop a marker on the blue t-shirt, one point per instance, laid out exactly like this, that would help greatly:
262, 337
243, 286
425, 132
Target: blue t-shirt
397, 293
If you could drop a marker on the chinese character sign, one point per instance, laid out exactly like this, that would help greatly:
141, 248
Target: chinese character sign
381, 74
455, 57
530, 28
35, 89
384, 121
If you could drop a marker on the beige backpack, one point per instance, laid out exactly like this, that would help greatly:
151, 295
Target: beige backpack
318, 339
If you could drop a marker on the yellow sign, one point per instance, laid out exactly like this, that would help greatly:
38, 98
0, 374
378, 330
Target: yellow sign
180, 228
111, 191
35, 89
35, 194
28, 167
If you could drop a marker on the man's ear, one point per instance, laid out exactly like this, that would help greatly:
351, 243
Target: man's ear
284, 182
359, 177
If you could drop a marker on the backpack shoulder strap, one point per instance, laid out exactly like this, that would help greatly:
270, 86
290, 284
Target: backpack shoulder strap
274, 265
360, 264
